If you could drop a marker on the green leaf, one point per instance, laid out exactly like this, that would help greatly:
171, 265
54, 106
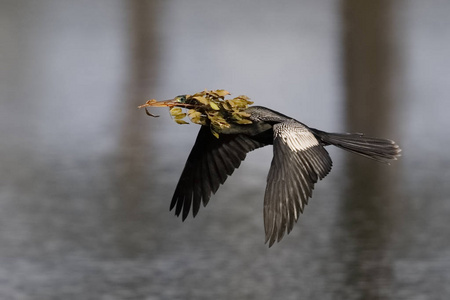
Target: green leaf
244, 121
221, 93
201, 99
214, 105
195, 114
241, 114
181, 121
214, 133
180, 116
175, 111
226, 105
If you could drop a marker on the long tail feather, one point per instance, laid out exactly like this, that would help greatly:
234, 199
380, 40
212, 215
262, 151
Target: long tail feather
381, 150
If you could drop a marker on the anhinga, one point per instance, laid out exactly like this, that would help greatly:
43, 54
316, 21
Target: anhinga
230, 129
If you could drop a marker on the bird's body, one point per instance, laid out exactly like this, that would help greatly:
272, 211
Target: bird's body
299, 161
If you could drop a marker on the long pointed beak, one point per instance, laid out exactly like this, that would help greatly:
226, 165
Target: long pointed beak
165, 103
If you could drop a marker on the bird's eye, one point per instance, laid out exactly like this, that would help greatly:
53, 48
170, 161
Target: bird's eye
180, 99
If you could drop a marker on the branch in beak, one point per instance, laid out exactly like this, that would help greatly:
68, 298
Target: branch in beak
166, 103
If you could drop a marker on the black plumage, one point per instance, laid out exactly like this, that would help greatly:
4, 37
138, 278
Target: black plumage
299, 161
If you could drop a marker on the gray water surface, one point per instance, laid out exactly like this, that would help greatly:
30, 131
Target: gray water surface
87, 178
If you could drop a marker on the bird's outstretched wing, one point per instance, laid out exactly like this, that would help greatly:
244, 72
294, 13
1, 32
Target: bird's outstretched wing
299, 161
210, 162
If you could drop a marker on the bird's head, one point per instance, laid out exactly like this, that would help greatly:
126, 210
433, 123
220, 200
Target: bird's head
206, 108
180, 101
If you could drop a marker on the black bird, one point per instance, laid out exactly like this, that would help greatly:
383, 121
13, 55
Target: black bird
299, 161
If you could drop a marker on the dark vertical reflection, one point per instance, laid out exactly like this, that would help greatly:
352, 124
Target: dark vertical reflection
366, 216
131, 177
368, 64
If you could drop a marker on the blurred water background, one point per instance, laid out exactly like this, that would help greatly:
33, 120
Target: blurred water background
86, 178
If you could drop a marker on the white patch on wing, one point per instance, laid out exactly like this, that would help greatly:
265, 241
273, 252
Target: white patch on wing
301, 142
296, 136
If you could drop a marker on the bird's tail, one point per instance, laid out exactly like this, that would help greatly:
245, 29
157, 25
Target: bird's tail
381, 150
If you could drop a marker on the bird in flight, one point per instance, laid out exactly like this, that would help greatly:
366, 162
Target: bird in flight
232, 128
